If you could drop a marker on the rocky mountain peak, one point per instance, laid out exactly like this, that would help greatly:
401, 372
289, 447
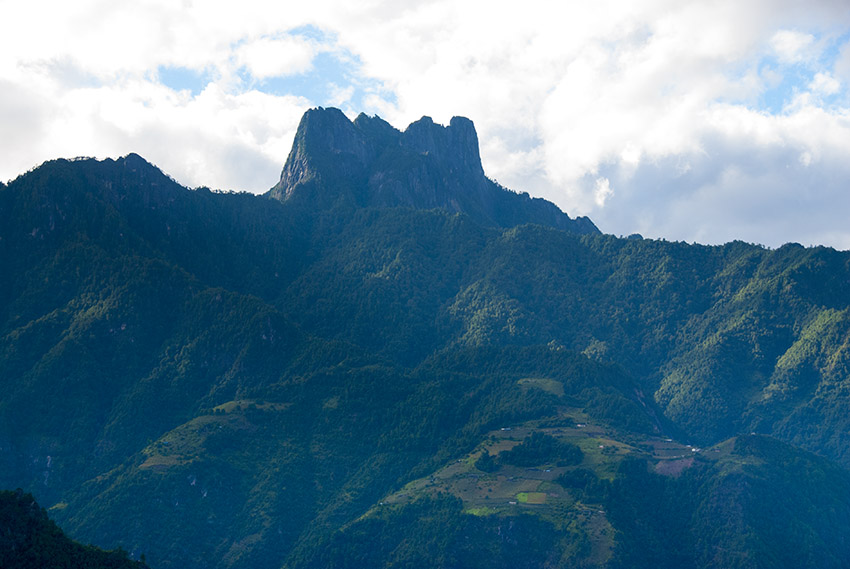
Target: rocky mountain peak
456, 144
329, 130
369, 163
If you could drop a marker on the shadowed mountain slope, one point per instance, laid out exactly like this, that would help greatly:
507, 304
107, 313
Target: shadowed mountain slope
368, 163
225, 380
29, 540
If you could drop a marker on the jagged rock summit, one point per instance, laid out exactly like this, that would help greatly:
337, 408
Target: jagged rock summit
369, 163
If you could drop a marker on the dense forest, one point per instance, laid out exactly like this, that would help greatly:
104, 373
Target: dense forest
30, 539
344, 373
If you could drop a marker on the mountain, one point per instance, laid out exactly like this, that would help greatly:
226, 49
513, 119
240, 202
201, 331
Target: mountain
368, 163
29, 539
335, 376
725, 509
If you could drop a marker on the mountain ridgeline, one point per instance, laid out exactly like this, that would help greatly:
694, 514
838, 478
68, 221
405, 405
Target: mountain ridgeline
368, 163
390, 361
29, 540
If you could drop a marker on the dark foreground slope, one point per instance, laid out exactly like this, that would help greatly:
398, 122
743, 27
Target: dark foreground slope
29, 540
226, 380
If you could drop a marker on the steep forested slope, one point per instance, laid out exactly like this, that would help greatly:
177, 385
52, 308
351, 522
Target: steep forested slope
29, 539
227, 380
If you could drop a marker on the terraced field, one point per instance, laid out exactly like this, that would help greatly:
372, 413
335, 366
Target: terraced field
513, 490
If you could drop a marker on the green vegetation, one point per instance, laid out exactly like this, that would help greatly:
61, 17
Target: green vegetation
539, 448
436, 533
29, 539
552, 386
226, 380
487, 462
531, 497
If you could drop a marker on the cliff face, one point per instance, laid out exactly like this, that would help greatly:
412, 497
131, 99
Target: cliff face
368, 163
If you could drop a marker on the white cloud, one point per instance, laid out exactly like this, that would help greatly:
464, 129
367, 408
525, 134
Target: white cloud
276, 57
220, 139
340, 96
663, 84
662, 100
792, 46
825, 84
85, 82
602, 191
842, 63
766, 179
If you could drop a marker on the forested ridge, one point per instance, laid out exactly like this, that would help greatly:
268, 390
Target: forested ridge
29, 539
226, 380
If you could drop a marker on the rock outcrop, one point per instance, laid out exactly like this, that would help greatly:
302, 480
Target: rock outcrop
368, 163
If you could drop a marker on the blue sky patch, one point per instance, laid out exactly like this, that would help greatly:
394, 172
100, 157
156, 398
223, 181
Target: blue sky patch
331, 72
794, 79
183, 78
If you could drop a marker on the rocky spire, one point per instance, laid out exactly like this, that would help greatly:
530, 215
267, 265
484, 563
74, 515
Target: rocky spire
368, 163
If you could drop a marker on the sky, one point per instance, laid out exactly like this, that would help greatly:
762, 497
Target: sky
699, 121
